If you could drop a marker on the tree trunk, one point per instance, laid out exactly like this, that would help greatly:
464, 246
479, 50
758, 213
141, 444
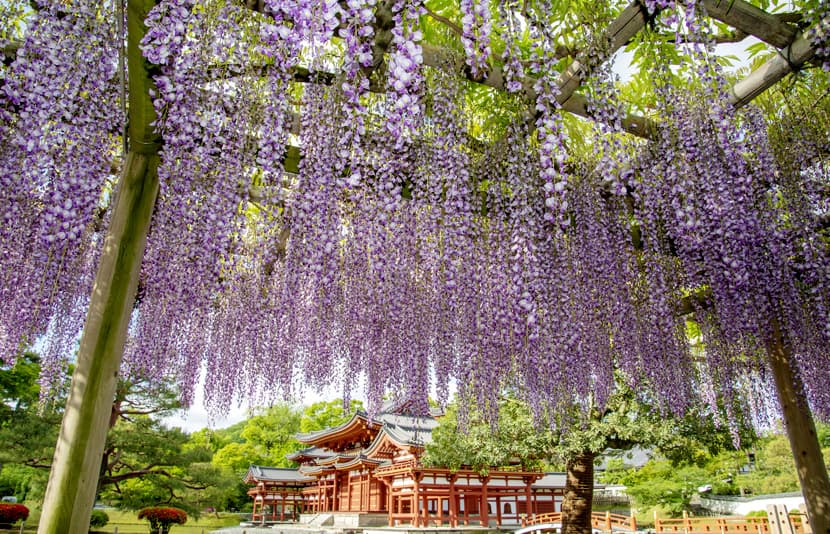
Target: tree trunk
579, 493
73, 480
801, 432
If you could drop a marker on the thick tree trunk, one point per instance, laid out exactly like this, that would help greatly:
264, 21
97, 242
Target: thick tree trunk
579, 494
73, 480
801, 432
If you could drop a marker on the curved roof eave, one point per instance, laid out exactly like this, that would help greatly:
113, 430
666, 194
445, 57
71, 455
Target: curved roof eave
318, 435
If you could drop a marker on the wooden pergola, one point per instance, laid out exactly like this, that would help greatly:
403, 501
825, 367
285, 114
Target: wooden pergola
71, 488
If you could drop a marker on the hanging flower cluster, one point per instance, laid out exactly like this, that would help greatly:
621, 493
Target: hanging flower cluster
713, 194
819, 32
404, 72
476, 26
403, 252
511, 56
61, 122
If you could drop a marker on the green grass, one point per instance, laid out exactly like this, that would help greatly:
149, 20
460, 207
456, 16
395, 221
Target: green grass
128, 523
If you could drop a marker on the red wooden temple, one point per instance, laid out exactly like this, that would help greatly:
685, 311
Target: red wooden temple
371, 466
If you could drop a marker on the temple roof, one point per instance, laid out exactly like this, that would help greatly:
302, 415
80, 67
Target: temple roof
309, 453
277, 475
360, 431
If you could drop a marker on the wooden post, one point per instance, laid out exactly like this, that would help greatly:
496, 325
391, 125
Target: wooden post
416, 499
485, 505
686, 524
73, 479
806, 527
453, 501
633, 522
801, 431
779, 521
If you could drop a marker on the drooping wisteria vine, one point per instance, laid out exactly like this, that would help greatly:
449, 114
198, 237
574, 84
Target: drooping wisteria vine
61, 118
402, 253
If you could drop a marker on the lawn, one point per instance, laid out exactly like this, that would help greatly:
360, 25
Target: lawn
128, 523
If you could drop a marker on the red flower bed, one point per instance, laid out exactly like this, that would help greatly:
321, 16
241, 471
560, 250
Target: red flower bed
12, 513
161, 517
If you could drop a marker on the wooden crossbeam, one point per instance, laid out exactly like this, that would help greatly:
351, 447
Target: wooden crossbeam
787, 60
752, 20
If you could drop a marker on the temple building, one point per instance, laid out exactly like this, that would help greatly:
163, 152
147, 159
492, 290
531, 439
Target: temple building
370, 469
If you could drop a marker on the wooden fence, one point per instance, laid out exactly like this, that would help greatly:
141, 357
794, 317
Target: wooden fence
778, 521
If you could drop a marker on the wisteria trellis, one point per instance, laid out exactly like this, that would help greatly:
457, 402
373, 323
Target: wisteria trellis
405, 250
402, 253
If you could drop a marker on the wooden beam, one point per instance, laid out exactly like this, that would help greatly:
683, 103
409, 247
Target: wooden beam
787, 60
620, 32
752, 20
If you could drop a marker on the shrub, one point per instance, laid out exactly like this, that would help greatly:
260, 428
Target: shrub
12, 513
161, 518
99, 518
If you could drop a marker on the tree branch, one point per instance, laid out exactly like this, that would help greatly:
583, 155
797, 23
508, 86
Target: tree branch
456, 29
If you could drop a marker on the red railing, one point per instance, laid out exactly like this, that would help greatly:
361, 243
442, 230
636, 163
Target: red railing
599, 520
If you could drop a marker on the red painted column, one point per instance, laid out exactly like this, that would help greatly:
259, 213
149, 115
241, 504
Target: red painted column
485, 505
453, 501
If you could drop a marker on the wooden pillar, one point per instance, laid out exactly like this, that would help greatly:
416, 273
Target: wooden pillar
485, 505
801, 431
416, 492
389, 501
76, 465
453, 501
498, 510
440, 510
335, 497
529, 496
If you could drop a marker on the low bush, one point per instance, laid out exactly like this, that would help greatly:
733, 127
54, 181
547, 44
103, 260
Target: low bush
161, 518
99, 518
12, 513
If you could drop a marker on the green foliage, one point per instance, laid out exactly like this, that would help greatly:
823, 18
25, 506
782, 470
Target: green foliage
512, 441
271, 434
668, 483
99, 518
327, 414
664, 484
28, 429
23, 481
238, 457
144, 462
